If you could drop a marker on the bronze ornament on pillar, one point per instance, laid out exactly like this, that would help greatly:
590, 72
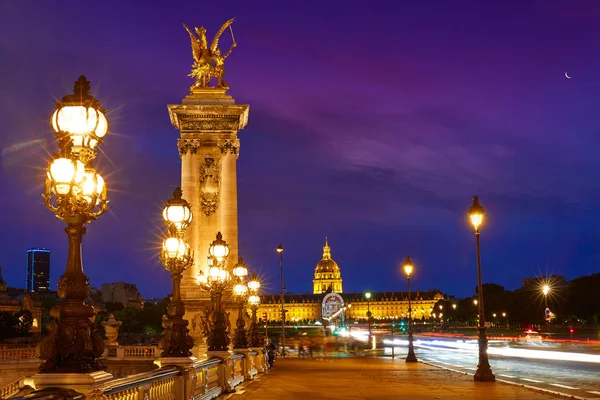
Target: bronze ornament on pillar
76, 193
176, 256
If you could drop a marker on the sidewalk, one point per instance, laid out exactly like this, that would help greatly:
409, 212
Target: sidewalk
372, 379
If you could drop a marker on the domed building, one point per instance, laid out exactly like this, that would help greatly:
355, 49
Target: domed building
327, 298
327, 274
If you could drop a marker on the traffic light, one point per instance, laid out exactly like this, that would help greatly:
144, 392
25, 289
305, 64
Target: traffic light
571, 331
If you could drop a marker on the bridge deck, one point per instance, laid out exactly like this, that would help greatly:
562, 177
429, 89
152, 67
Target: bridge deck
374, 379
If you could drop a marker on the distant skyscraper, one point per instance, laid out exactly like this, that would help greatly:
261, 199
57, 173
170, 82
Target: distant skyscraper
38, 270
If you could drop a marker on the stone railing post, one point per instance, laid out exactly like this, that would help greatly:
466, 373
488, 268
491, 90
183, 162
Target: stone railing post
111, 331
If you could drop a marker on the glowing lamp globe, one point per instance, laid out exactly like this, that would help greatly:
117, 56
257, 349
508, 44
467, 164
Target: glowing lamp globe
202, 279
219, 248
240, 270
80, 117
214, 272
240, 289
177, 211
476, 213
408, 267
62, 174
223, 275
175, 249
254, 283
254, 300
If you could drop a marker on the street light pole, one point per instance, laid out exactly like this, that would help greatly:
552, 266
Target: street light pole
176, 256
255, 337
215, 282
545, 291
408, 269
280, 251
484, 371
76, 193
240, 291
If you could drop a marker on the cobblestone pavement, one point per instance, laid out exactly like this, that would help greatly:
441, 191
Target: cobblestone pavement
372, 379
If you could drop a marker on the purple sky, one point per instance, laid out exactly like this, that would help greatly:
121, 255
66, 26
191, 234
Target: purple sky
373, 123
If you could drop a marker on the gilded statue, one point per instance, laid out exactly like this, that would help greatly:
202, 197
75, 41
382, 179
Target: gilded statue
209, 63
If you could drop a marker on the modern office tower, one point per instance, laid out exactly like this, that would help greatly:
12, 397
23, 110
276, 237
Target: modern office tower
38, 270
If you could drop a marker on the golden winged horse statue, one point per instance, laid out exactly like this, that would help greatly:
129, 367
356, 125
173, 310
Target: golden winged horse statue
208, 61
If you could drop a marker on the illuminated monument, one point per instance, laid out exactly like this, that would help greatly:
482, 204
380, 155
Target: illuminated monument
208, 121
327, 273
327, 298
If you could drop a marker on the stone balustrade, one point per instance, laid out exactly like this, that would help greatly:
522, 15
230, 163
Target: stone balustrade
177, 379
10, 390
9, 352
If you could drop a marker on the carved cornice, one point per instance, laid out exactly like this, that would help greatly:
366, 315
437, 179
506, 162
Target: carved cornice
231, 146
193, 123
208, 117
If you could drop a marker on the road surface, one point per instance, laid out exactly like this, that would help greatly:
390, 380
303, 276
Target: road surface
571, 371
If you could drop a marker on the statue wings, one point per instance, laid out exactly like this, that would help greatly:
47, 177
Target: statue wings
215, 42
198, 44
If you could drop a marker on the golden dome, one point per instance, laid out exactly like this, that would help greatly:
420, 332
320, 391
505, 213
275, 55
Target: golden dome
327, 264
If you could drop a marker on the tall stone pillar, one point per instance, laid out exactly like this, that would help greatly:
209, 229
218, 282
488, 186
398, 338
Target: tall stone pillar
208, 121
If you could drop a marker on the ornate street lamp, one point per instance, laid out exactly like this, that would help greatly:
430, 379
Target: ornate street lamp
408, 269
484, 371
76, 193
279, 249
256, 339
215, 282
240, 292
176, 256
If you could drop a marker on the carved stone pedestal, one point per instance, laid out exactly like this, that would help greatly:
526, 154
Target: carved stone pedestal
260, 359
249, 363
83, 383
185, 362
230, 374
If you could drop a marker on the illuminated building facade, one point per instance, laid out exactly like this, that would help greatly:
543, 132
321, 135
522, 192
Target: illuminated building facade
327, 297
38, 270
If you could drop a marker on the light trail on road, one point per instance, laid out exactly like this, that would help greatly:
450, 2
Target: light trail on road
566, 372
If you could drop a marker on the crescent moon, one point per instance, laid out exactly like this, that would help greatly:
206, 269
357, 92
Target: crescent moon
567, 75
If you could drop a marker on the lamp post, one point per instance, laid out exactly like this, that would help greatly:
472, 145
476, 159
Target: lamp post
176, 256
76, 193
256, 339
545, 291
408, 269
240, 291
368, 296
484, 371
280, 251
215, 282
